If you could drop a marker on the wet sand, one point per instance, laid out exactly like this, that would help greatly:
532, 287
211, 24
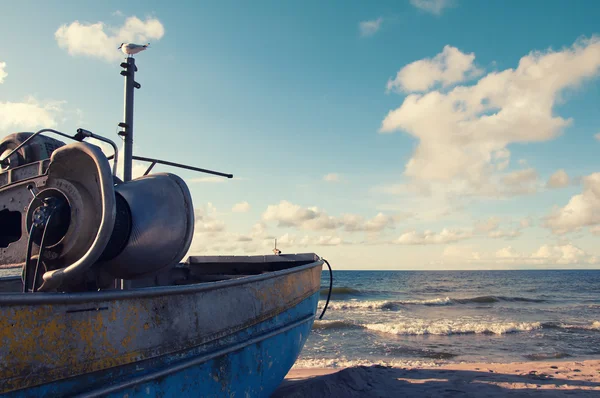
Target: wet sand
522, 379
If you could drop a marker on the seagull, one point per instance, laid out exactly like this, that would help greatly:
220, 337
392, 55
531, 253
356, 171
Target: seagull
130, 48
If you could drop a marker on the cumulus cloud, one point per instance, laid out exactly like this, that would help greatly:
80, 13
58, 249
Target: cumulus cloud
449, 67
3, 73
380, 222
432, 6
520, 182
369, 28
99, 40
242, 207
30, 114
474, 123
559, 179
433, 238
486, 226
206, 220
289, 240
287, 214
581, 210
331, 177
548, 254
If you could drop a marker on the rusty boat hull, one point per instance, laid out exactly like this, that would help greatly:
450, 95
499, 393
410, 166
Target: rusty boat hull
214, 326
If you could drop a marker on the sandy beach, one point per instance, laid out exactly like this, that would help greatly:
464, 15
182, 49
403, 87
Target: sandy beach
523, 379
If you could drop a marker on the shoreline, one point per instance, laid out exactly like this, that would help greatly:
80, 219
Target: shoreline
553, 378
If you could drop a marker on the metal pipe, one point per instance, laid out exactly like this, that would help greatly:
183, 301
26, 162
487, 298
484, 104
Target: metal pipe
183, 166
86, 133
2, 161
130, 85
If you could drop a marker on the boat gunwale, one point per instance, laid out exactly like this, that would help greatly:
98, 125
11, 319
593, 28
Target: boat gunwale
145, 292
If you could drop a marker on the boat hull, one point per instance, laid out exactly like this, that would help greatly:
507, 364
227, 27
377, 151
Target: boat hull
237, 337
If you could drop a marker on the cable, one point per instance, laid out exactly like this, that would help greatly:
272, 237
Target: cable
41, 252
27, 257
330, 288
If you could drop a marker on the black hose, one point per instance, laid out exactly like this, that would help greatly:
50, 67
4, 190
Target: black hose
28, 257
330, 289
41, 252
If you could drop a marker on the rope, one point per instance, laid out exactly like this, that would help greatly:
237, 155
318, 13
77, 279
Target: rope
330, 288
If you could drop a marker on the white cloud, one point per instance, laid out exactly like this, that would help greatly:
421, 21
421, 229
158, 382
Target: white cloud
369, 28
206, 221
559, 179
548, 254
432, 238
289, 241
461, 253
432, 6
3, 73
331, 177
597, 136
520, 182
449, 67
525, 222
99, 40
508, 234
473, 123
117, 13
287, 214
507, 252
208, 179
491, 228
242, 207
380, 222
30, 114
562, 254
489, 225
582, 210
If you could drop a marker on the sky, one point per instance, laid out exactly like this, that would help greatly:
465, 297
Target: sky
417, 134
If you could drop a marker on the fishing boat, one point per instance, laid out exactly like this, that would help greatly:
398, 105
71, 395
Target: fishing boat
106, 305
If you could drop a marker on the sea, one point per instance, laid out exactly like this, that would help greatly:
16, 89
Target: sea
415, 318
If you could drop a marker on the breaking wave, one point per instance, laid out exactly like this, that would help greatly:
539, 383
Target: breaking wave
394, 305
419, 328
324, 325
343, 362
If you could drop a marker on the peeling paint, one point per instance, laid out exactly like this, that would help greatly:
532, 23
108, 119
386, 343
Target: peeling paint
45, 343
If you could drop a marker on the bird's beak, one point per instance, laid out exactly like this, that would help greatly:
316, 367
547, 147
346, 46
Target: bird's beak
118, 48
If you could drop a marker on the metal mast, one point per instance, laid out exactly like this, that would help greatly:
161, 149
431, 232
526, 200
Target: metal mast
127, 132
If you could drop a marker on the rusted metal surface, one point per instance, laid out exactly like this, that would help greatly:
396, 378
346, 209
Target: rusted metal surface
48, 337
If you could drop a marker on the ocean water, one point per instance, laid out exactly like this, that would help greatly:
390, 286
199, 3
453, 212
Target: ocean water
433, 317
415, 318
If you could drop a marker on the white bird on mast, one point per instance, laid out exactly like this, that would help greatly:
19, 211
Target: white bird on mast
131, 48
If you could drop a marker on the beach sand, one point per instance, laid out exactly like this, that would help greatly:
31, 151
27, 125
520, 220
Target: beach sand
522, 379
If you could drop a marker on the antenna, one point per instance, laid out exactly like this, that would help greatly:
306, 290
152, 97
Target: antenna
276, 251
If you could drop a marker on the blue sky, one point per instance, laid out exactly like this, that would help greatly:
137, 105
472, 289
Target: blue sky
283, 94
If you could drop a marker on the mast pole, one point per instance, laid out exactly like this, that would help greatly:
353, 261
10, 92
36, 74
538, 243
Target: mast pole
127, 132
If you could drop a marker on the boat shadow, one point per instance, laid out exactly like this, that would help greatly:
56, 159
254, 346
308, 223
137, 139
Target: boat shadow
381, 381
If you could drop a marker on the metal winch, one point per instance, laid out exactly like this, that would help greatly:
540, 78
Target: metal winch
87, 225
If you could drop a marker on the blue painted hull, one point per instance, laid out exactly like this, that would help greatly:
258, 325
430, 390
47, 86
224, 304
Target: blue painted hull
250, 363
